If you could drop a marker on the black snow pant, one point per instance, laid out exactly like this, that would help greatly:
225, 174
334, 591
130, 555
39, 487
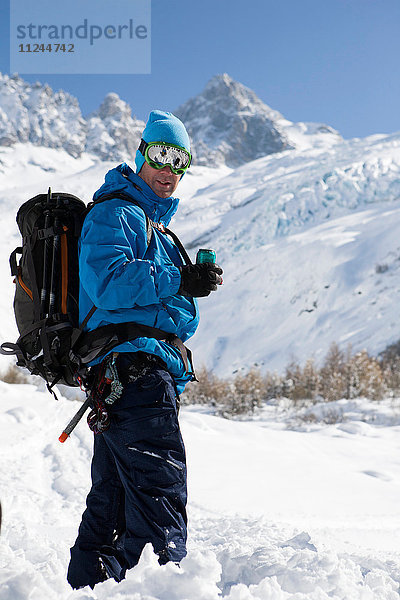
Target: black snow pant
138, 492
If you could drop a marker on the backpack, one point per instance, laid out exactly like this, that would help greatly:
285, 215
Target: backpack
52, 344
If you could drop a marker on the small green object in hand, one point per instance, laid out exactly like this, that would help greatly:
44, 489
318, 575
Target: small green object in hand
205, 256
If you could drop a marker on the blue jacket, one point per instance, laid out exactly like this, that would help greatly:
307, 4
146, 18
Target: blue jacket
127, 279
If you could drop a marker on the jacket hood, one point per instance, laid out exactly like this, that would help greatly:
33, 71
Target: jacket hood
123, 179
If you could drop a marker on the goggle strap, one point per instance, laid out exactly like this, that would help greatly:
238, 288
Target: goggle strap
142, 147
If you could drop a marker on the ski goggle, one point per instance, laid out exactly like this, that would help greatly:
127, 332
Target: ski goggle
161, 154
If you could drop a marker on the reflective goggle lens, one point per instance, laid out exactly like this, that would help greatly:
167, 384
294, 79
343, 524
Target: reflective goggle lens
160, 155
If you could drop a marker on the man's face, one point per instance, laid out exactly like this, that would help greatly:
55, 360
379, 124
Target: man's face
162, 181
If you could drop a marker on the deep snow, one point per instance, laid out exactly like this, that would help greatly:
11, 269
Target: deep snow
277, 510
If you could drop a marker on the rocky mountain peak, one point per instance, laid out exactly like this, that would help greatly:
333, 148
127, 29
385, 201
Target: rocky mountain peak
227, 122
112, 132
112, 106
237, 96
37, 114
230, 125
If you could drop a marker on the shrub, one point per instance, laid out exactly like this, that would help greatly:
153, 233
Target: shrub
333, 377
301, 384
365, 377
209, 389
230, 397
274, 386
343, 374
247, 393
389, 361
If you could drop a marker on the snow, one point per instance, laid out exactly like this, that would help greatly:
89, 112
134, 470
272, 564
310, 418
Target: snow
278, 194
278, 507
293, 504
303, 136
306, 291
308, 241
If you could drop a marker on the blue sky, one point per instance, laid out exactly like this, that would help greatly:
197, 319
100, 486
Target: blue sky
334, 61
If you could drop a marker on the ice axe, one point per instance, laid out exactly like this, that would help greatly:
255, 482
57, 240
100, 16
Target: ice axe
75, 419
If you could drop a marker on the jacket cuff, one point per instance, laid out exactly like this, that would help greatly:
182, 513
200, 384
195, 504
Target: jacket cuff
169, 281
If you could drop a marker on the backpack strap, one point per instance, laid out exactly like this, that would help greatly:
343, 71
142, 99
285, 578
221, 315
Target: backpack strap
102, 340
13, 261
122, 196
176, 240
149, 224
32, 276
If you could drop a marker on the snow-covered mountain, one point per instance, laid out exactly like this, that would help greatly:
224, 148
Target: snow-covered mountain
112, 132
229, 125
310, 248
276, 195
37, 114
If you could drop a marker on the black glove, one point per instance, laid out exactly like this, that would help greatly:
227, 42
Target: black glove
199, 280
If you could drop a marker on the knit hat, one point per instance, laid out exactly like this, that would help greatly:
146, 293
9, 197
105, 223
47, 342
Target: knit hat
163, 127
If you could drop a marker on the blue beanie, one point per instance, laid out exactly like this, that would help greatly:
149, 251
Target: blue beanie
163, 127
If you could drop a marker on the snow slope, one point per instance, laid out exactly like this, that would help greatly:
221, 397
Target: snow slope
308, 241
309, 245
291, 298
276, 195
275, 512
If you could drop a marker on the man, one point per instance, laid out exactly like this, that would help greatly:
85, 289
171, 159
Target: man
138, 492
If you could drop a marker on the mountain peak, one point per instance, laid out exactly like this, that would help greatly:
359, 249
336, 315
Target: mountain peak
220, 80
239, 97
35, 113
230, 125
243, 97
113, 106
112, 132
